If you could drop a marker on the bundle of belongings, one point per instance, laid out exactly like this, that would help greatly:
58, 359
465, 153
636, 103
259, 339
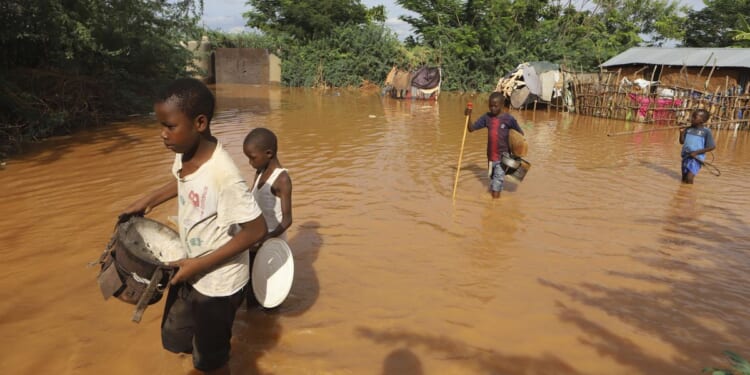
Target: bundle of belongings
541, 81
422, 83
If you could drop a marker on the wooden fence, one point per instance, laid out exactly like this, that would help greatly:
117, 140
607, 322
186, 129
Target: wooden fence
616, 97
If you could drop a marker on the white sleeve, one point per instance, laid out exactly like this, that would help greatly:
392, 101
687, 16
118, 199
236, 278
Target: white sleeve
236, 204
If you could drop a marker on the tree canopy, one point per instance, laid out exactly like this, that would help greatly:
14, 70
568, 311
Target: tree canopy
69, 63
309, 19
718, 24
479, 40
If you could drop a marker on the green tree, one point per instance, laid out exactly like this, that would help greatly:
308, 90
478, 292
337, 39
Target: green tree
717, 24
347, 57
306, 19
478, 41
70, 63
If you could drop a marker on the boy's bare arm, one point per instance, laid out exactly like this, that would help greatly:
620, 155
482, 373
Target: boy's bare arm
251, 232
153, 199
682, 135
701, 151
283, 189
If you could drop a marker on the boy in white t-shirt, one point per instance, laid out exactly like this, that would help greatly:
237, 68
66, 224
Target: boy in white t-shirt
218, 221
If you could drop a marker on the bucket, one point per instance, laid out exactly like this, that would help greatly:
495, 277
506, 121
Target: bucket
133, 266
517, 175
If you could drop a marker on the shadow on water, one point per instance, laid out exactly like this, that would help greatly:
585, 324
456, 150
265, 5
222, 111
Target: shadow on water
402, 361
484, 360
673, 173
305, 245
112, 135
700, 306
257, 330
480, 173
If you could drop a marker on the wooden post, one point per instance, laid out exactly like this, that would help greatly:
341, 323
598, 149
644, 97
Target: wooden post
564, 96
684, 70
709, 75
704, 65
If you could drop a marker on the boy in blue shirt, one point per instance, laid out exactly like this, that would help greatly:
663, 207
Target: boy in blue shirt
696, 141
218, 221
498, 126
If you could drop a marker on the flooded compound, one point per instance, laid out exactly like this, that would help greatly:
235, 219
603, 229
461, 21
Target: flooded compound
599, 262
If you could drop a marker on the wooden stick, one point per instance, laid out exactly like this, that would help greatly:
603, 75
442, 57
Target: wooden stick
647, 130
710, 74
684, 70
726, 85
469, 107
704, 65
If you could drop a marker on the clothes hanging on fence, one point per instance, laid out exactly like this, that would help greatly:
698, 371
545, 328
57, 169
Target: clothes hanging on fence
643, 103
663, 110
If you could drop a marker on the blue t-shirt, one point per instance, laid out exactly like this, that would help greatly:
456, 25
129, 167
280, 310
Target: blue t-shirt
498, 129
697, 139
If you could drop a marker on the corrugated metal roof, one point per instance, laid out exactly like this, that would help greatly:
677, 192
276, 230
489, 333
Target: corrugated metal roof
725, 57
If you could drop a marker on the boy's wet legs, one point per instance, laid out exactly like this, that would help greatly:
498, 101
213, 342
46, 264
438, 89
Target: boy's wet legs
497, 177
250, 301
687, 178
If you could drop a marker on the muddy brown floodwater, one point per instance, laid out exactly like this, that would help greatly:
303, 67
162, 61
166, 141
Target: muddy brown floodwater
600, 262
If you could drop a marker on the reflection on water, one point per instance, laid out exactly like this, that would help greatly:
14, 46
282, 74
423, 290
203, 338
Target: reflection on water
599, 262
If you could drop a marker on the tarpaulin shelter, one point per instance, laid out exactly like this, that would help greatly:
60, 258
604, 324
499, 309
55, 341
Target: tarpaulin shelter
421, 83
539, 81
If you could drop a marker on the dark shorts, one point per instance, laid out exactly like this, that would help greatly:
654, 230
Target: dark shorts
198, 324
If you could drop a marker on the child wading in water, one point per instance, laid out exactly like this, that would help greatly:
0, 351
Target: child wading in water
272, 188
696, 140
218, 221
498, 126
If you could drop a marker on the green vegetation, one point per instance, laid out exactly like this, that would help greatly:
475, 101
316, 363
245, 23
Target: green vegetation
72, 63
716, 24
479, 41
739, 364
350, 55
309, 19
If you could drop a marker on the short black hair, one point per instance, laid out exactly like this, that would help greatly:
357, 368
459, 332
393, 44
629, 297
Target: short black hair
703, 113
192, 97
496, 95
263, 138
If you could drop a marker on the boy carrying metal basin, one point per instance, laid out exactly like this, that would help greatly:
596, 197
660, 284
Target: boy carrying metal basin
218, 220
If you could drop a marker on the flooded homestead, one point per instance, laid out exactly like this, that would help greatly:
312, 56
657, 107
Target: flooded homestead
599, 262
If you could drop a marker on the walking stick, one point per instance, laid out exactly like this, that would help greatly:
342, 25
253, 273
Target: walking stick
469, 106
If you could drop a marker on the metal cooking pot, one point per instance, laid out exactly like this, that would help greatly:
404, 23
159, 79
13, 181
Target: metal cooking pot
134, 264
510, 162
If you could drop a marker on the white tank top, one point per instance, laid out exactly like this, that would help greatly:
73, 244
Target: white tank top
269, 203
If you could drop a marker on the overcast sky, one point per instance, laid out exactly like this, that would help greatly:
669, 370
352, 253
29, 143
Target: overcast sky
226, 15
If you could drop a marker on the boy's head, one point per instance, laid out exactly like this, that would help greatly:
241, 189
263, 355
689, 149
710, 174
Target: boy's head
699, 117
184, 109
496, 103
260, 147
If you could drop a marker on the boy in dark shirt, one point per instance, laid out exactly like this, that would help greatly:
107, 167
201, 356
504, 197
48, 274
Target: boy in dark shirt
498, 126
